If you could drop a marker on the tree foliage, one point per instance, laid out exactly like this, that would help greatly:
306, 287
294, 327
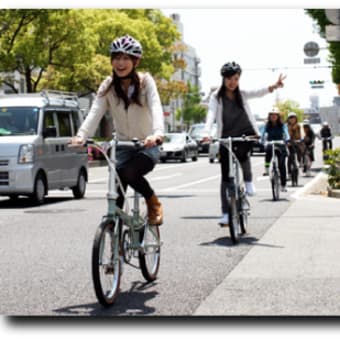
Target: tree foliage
68, 49
334, 47
193, 111
290, 106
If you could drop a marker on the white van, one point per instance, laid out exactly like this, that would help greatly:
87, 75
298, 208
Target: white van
34, 155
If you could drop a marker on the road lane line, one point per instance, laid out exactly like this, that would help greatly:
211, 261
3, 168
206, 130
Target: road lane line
191, 183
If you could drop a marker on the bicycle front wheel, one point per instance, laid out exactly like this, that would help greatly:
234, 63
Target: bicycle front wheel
234, 222
106, 265
275, 182
244, 213
295, 176
150, 253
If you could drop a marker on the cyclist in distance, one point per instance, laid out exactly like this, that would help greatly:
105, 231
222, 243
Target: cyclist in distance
294, 130
308, 139
276, 130
228, 106
133, 101
326, 136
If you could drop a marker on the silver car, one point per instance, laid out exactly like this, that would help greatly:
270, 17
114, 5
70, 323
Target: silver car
34, 153
178, 146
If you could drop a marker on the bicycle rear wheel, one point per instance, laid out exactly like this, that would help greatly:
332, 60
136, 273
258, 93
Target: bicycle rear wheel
234, 221
106, 265
150, 253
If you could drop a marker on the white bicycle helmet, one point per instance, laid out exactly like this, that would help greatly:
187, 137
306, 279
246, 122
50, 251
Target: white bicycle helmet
291, 114
128, 45
274, 111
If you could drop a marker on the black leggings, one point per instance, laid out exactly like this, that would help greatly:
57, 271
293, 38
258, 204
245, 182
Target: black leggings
132, 173
281, 155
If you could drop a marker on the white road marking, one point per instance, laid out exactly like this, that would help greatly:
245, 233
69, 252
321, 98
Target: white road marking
207, 179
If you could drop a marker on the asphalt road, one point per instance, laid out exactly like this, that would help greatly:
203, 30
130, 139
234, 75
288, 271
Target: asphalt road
45, 252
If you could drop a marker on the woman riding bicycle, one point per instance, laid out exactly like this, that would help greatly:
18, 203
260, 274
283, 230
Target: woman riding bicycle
308, 142
294, 130
133, 101
326, 137
228, 106
276, 130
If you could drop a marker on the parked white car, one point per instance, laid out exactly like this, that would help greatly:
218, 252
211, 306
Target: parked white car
34, 155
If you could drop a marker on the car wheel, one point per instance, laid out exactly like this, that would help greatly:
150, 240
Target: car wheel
38, 195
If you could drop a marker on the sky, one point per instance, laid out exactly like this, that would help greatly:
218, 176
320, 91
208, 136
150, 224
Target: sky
265, 42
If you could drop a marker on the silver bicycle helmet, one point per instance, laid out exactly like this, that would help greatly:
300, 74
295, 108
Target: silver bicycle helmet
230, 69
128, 45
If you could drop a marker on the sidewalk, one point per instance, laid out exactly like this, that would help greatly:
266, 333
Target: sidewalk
293, 270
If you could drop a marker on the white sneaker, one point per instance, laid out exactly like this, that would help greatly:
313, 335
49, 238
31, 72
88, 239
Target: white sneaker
250, 189
224, 221
283, 189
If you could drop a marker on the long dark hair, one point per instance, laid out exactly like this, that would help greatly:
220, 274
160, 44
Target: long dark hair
238, 97
135, 81
279, 122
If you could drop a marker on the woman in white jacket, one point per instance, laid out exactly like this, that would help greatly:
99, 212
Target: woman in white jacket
133, 101
229, 108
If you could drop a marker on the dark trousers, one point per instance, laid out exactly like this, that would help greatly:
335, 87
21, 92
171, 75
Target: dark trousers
293, 149
326, 143
281, 153
132, 173
242, 153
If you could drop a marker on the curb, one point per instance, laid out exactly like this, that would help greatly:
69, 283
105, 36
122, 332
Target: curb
317, 185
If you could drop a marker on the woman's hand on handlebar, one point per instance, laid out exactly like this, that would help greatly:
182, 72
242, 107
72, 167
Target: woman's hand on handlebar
153, 140
77, 141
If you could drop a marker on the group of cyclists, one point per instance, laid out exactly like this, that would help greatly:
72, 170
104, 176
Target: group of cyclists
133, 100
298, 142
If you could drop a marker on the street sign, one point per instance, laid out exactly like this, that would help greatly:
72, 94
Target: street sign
333, 32
311, 49
311, 60
333, 15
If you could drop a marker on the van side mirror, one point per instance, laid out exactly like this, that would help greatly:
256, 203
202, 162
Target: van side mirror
50, 131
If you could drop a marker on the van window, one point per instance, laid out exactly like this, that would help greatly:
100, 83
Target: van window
48, 119
15, 121
76, 121
64, 121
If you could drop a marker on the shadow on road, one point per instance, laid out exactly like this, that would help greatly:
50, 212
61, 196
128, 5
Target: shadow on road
130, 303
25, 202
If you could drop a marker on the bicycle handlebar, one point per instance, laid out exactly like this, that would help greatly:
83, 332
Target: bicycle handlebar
240, 139
276, 142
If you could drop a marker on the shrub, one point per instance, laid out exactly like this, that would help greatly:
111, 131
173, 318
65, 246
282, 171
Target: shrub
334, 168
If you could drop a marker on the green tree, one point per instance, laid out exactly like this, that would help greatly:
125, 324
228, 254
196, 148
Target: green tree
69, 49
193, 111
290, 106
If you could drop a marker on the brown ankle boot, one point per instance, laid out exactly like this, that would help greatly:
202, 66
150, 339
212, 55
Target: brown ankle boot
155, 211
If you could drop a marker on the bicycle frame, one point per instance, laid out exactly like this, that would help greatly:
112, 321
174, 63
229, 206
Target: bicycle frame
239, 205
135, 222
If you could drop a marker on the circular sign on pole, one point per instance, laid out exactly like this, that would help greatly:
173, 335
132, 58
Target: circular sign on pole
333, 15
311, 49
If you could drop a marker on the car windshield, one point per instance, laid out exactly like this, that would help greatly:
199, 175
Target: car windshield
176, 138
16, 121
